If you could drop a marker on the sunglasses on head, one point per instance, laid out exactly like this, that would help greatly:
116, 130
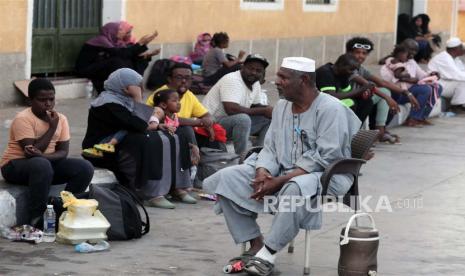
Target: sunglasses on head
362, 46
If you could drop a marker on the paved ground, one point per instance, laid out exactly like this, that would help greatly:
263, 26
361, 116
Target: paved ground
427, 170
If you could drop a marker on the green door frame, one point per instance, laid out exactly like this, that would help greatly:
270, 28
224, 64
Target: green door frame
55, 48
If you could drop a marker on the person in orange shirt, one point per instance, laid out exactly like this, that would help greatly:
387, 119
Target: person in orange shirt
36, 154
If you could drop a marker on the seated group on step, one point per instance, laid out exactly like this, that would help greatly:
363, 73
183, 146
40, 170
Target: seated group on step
152, 145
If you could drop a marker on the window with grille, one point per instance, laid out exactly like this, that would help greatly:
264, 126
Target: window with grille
320, 5
262, 4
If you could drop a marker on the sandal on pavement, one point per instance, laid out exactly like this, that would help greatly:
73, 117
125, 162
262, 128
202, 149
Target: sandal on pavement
184, 197
390, 139
425, 123
412, 123
92, 153
109, 148
245, 257
237, 264
258, 267
159, 202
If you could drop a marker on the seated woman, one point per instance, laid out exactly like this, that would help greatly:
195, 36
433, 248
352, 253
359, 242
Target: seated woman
401, 69
215, 64
426, 40
37, 151
112, 49
202, 46
152, 163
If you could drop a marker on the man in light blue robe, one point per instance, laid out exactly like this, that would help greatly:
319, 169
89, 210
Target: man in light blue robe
309, 130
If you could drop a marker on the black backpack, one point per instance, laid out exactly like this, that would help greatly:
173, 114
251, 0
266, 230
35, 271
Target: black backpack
121, 208
211, 161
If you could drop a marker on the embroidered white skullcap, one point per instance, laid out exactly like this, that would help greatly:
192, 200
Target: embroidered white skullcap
299, 63
453, 42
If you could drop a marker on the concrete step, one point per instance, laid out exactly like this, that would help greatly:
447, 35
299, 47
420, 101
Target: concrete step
400, 117
14, 198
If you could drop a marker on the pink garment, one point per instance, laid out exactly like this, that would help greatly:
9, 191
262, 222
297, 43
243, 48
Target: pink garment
108, 36
172, 122
429, 80
411, 67
126, 27
395, 66
201, 47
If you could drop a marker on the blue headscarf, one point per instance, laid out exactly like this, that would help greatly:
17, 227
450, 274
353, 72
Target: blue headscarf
115, 85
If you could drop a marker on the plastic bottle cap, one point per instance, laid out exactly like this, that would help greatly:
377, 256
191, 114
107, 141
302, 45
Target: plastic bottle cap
50, 206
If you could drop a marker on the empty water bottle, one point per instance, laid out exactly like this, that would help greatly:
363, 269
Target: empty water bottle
49, 224
85, 247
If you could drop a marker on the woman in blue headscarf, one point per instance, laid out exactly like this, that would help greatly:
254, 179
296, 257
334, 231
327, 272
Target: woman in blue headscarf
152, 163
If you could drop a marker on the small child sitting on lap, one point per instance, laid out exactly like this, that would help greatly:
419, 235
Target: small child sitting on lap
396, 64
168, 101
129, 96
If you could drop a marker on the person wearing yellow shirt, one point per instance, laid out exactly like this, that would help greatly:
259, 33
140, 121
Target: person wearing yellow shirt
192, 112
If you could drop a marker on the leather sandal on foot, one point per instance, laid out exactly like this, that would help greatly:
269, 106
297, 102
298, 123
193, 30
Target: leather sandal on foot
258, 267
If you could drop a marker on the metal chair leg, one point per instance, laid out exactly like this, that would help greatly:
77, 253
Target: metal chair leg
243, 247
290, 248
307, 253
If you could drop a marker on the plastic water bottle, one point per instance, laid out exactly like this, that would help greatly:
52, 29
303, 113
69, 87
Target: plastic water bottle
89, 89
49, 224
85, 247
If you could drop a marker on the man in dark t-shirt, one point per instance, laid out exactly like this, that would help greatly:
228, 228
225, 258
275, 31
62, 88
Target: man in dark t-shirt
334, 79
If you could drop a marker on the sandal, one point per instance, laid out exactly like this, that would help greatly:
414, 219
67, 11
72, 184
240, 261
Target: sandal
184, 197
425, 123
108, 148
412, 123
258, 267
245, 257
237, 264
389, 139
92, 153
159, 202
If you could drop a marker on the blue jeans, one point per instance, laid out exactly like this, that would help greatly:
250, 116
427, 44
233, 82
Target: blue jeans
423, 94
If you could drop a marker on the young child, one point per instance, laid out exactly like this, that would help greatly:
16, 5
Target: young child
397, 65
122, 87
168, 101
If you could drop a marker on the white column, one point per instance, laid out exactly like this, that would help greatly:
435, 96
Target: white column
420, 6
113, 10
30, 15
455, 15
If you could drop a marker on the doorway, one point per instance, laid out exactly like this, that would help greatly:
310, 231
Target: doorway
60, 28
